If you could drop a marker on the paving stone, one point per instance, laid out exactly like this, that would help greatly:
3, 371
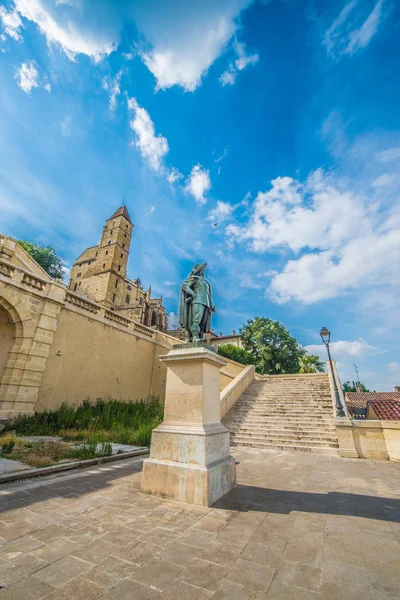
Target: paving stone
158, 537
26, 543
223, 554
62, 571
269, 553
130, 590
282, 591
77, 589
96, 551
137, 552
251, 574
16, 530
204, 574
298, 574
180, 554
27, 588
185, 591
19, 567
228, 590
109, 572
157, 573
55, 550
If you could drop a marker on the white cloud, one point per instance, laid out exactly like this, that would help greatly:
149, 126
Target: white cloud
115, 90
343, 350
174, 175
27, 76
11, 23
173, 322
389, 155
221, 212
345, 241
242, 61
61, 26
47, 87
384, 180
181, 40
198, 183
66, 125
360, 38
394, 366
152, 147
353, 29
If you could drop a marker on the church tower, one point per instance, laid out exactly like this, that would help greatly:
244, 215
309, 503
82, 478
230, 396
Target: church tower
100, 271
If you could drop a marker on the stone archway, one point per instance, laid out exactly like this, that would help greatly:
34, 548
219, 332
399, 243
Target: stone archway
7, 338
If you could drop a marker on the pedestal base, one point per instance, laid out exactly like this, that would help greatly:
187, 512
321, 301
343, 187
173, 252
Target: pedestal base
194, 484
189, 454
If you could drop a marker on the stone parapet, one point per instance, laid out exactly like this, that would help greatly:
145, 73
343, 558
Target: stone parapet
369, 439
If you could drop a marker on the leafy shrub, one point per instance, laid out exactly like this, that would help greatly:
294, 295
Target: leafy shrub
100, 422
8, 447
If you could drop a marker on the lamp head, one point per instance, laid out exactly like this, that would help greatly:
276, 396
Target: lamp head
325, 335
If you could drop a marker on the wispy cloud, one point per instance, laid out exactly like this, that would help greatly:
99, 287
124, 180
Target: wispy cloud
27, 77
11, 23
242, 61
152, 147
113, 86
352, 30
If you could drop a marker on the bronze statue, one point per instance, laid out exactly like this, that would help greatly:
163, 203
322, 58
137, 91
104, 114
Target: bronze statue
195, 305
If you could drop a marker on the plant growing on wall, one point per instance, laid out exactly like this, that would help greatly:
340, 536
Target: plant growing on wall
46, 257
310, 363
239, 355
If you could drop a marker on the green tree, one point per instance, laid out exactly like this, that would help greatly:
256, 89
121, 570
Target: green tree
310, 363
352, 387
272, 348
46, 257
232, 352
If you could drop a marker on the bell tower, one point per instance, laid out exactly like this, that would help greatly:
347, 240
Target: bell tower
115, 242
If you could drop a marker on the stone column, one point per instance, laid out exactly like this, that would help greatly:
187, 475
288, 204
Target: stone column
189, 455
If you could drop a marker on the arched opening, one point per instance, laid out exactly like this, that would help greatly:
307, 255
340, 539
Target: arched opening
7, 336
154, 319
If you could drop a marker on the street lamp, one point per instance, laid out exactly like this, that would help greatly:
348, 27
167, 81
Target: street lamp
326, 338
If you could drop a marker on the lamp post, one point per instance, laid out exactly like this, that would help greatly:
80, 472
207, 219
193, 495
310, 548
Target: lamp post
326, 338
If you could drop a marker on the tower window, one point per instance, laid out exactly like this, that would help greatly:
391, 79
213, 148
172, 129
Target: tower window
126, 225
123, 245
129, 288
106, 252
122, 256
109, 242
114, 298
75, 286
79, 274
127, 299
124, 234
116, 283
104, 265
119, 267
80, 283
141, 301
153, 318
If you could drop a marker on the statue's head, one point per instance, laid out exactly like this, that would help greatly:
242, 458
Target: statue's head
199, 269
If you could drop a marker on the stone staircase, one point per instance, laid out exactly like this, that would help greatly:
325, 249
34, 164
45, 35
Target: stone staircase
285, 412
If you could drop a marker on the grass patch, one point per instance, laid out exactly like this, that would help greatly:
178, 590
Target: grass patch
45, 453
103, 421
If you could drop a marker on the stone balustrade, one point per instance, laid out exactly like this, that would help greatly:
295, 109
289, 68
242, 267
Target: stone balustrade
82, 303
143, 329
6, 269
116, 318
34, 282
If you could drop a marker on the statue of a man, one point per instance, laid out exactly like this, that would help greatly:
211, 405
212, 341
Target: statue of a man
195, 306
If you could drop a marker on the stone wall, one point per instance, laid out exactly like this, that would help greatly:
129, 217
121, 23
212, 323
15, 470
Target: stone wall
377, 440
58, 346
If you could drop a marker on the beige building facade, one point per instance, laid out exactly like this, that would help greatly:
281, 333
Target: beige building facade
100, 274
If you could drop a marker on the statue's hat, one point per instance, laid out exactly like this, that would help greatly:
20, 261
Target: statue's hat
197, 268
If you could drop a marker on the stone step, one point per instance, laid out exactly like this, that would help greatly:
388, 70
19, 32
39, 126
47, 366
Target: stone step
318, 449
289, 443
287, 439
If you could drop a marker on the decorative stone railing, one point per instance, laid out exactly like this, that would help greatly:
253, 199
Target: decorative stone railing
142, 329
116, 318
6, 269
82, 303
35, 282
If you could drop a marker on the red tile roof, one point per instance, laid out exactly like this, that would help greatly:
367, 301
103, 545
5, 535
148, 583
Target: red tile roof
121, 212
386, 405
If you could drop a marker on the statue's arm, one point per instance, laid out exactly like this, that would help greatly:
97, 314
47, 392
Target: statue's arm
186, 287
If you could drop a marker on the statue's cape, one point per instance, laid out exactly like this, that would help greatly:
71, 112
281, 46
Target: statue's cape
185, 310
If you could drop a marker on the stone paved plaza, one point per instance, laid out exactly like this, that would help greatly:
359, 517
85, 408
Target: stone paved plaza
299, 526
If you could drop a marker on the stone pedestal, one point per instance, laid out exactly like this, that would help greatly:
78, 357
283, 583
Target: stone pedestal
189, 455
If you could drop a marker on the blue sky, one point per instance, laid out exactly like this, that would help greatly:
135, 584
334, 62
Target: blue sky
260, 136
